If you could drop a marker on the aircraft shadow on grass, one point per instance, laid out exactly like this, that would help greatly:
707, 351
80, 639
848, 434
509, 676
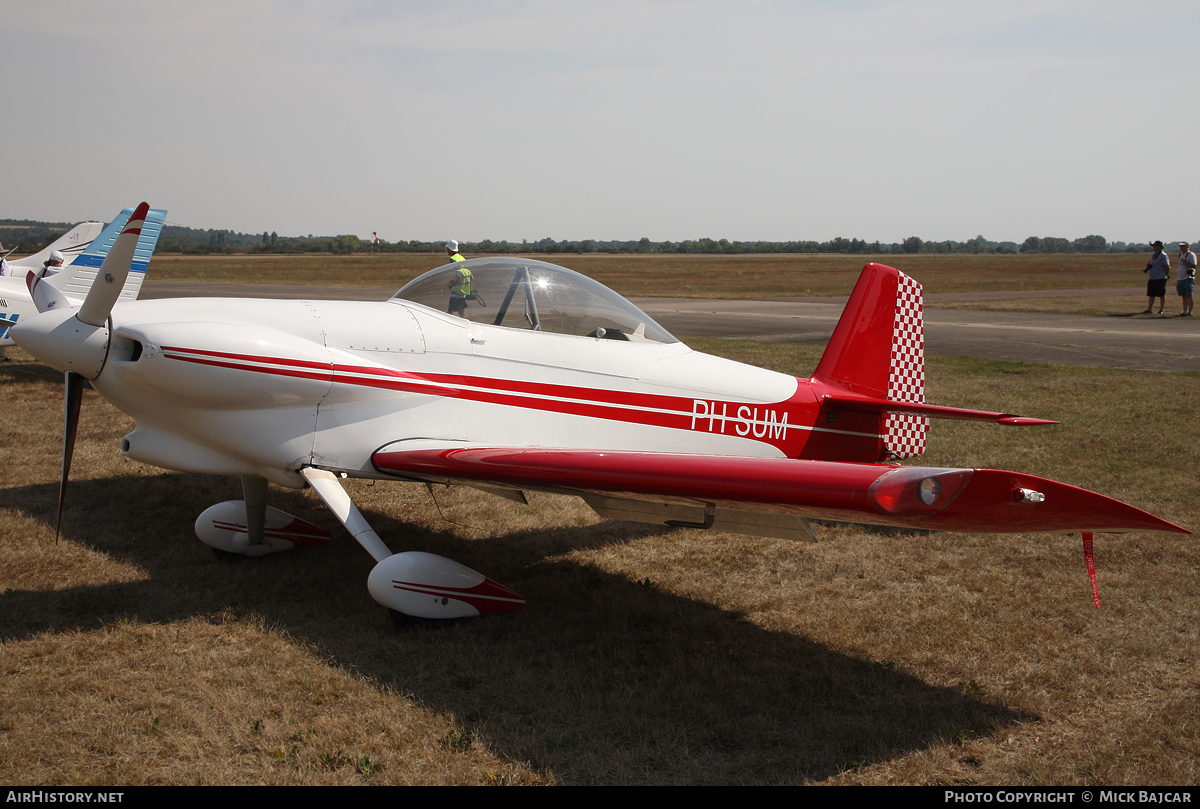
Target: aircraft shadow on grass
28, 372
638, 672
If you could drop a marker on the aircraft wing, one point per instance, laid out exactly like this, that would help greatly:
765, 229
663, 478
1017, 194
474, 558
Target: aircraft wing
968, 500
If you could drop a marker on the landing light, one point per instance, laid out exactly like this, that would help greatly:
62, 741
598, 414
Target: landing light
929, 490
916, 491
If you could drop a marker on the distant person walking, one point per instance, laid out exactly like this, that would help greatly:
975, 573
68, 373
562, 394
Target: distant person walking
1185, 277
1159, 268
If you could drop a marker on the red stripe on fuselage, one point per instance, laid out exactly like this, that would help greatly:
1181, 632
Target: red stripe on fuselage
273, 371
249, 357
659, 410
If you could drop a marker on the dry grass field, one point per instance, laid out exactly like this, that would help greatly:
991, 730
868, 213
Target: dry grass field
130, 655
700, 276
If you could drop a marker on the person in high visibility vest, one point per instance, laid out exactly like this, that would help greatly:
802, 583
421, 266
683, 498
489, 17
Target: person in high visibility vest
460, 283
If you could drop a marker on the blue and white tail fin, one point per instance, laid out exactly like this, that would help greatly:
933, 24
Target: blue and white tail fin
77, 274
876, 357
110, 277
76, 278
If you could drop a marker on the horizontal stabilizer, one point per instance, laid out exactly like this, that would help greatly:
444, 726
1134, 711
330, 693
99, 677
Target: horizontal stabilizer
872, 405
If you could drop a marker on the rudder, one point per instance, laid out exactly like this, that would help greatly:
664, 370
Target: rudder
904, 433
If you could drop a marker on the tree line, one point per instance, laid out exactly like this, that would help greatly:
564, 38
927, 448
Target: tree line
176, 239
31, 236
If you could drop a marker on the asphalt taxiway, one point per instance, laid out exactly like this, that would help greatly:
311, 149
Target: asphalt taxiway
1138, 342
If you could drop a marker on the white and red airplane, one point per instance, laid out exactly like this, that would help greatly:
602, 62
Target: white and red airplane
538, 378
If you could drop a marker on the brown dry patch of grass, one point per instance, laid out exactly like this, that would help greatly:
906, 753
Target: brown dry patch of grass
216, 699
131, 657
644, 654
692, 276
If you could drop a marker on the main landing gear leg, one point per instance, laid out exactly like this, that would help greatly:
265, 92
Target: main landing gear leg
249, 527
327, 487
421, 585
254, 492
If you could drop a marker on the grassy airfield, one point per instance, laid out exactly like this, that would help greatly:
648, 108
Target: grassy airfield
728, 277
644, 654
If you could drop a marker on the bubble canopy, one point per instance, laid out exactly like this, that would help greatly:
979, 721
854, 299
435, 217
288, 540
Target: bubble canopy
521, 293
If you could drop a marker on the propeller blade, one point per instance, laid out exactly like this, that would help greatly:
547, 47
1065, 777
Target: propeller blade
74, 390
110, 278
45, 297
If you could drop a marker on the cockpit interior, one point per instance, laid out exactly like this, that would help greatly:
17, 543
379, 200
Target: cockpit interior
521, 293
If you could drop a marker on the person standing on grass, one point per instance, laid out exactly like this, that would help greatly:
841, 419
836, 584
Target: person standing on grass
1159, 269
460, 283
1185, 277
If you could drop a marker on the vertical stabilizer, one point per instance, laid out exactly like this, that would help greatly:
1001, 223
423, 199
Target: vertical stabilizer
878, 352
77, 277
75, 241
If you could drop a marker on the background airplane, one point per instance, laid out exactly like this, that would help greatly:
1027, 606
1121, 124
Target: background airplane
559, 385
84, 248
70, 244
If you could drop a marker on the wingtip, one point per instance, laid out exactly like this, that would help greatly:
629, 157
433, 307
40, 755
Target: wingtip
1172, 528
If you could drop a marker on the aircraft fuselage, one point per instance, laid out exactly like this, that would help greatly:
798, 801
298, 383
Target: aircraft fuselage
266, 387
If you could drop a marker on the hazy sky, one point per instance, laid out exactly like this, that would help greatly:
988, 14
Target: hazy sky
612, 120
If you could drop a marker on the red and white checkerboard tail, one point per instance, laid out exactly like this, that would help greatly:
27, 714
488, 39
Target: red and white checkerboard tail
904, 434
878, 352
